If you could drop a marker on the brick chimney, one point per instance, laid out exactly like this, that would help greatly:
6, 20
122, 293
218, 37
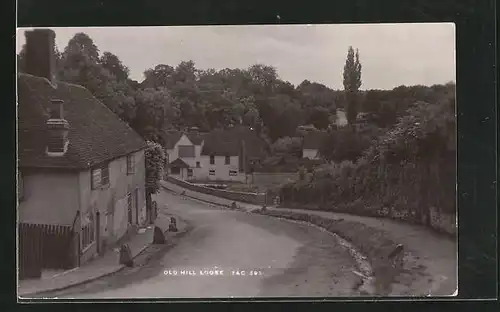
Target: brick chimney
40, 53
58, 128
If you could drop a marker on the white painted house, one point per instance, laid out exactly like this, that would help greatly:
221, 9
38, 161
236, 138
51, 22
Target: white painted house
221, 155
183, 153
80, 166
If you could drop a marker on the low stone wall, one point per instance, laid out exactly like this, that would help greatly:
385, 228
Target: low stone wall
252, 198
440, 222
373, 243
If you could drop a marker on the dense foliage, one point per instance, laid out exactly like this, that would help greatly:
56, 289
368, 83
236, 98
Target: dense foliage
403, 173
155, 159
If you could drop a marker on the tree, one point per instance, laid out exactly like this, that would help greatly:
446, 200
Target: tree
287, 146
154, 158
319, 117
344, 144
113, 64
80, 64
352, 83
159, 76
155, 109
81, 43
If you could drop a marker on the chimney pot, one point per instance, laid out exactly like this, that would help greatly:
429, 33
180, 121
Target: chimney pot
40, 53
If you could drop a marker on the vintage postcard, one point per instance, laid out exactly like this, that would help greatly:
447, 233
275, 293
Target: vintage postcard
237, 161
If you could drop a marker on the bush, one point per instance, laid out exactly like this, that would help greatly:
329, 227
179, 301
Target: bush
401, 174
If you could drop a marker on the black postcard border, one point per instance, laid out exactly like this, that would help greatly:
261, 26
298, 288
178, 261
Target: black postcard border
476, 96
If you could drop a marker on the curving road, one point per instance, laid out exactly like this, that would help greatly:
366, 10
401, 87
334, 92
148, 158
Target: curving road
233, 254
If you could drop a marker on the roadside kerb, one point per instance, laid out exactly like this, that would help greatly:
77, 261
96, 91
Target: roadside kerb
94, 278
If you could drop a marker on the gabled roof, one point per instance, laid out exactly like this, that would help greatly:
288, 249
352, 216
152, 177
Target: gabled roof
179, 163
171, 137
314, 139
195, 138
186, 151
228, 142
95, 135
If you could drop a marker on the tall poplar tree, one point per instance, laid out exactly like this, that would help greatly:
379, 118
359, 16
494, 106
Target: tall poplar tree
352, 83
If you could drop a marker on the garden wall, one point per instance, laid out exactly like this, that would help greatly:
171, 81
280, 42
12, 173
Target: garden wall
252, 198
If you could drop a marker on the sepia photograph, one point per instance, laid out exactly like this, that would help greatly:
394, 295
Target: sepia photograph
250, 161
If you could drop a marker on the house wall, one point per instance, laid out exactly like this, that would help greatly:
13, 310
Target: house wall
310, 153
112, 201
221, 169
49, 198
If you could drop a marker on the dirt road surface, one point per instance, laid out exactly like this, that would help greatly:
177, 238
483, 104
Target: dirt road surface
233, 254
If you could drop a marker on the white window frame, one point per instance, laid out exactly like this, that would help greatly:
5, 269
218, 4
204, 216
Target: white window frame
211, 172
233, 173
95, 178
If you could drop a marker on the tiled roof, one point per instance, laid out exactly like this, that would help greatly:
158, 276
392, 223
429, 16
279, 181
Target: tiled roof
179, 163
95, 135
171, 137
195, 138
314, 139
227, 142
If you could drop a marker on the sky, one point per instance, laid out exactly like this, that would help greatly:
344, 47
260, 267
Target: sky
390, 54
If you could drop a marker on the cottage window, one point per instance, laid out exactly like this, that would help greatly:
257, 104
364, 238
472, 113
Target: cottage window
227, 160
198, 164
96, 178
211, 172
130, 164
105, 175
190, 172
100, 177
212, 159
233, 173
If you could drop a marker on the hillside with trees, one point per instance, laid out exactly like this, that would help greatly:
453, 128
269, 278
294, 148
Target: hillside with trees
396, 156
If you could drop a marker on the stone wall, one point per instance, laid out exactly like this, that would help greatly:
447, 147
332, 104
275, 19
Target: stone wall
252, 198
